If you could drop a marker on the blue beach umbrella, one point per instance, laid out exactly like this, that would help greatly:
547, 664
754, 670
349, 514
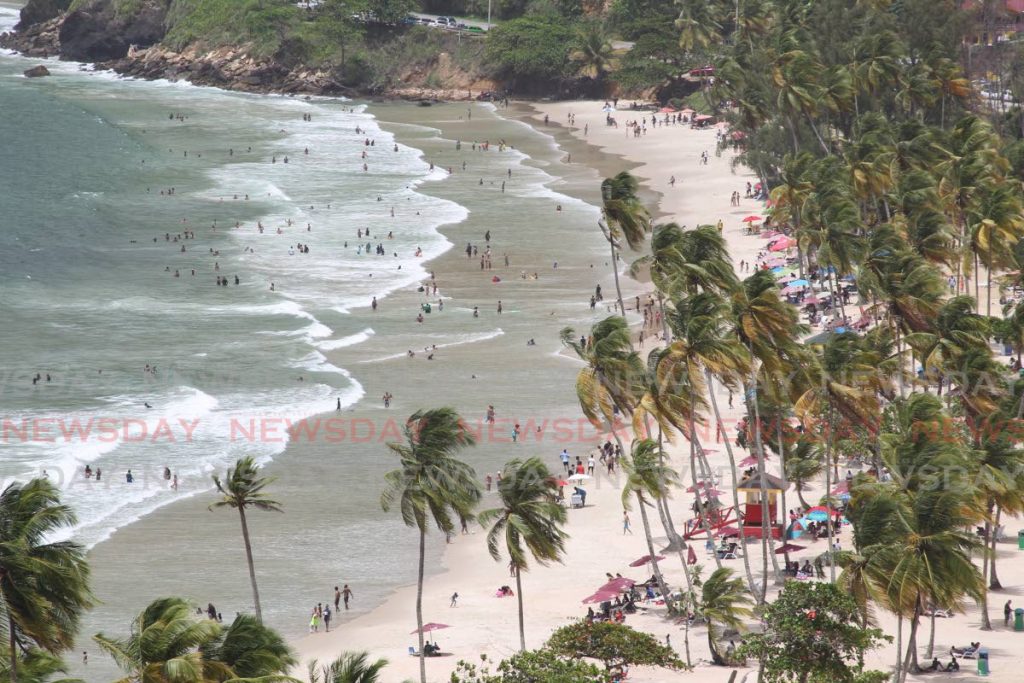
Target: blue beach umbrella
799, 283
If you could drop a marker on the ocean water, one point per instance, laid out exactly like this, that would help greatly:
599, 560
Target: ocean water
92, 239
88, 296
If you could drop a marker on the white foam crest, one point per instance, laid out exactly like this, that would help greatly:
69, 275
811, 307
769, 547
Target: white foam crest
473, 338
350, 340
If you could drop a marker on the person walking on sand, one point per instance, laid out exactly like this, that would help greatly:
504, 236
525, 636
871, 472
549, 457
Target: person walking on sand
347, 594
337, 598
1007, 612
327, 618
625, 523
455, 599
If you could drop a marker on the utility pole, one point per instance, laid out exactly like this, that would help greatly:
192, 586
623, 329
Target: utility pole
488, 15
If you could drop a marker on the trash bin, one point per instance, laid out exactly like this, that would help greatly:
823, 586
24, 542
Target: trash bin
1020, 539
1018, 619
983, 661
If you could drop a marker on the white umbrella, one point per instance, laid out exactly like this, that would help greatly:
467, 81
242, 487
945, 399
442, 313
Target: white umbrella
579, 477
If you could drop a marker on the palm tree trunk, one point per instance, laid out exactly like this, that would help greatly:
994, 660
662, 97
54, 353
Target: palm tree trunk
765, 526
931, 636
252, 568
615, 271
701, 511
13, 640
785, 483
735, 495
993, 579
988, 292
686, 637
986, 623
828, 491
910, 660
419, 604
519, 594
650, 549
899, 647
666, 331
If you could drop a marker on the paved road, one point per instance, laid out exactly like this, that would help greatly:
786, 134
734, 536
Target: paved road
462, 20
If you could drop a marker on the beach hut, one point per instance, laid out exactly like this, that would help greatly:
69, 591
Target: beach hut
751, 486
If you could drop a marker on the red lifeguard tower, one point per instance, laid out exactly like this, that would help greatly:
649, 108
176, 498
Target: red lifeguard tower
751, 516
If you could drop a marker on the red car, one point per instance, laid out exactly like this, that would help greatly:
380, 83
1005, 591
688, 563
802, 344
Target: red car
703, 71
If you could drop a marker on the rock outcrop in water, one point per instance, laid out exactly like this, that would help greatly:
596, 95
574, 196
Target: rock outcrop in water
37, 72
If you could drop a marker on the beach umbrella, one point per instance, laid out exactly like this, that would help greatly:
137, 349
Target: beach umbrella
703, 117
770, 233
727, 531
703, 485
427, 628
579, 477
751, 460
752, 219
686, 111
820, 513
599, 596
667, 110
782, 244
619, 583
645, 559
788, 548
841, 487
792, 290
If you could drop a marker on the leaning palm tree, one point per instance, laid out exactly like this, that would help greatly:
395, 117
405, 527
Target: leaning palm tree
243, 489
623, 218
44, 585
724, 601
349, 667
431, 486
169, 643
529, 520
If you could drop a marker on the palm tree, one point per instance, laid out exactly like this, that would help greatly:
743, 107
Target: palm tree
529, 520
724, 601
243, 489
593, 53
169, 643
645, 478
38, 666
44, 584
431, 486
623, 217
349, 667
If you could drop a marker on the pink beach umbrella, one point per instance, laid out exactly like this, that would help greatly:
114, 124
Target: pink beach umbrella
752, 219
841, 488
702, 485
619, 583
751, 460
428, 627
782, 244
792, 290
770, 233
600, 596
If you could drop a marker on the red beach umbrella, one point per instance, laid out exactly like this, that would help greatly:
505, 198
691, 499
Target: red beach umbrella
431, 626
619, 583
788, 548
752, 219
645, 559
727, 531
667, 110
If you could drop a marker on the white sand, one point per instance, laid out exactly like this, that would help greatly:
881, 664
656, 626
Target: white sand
483, 623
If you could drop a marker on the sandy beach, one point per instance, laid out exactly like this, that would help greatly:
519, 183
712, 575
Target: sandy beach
483, 623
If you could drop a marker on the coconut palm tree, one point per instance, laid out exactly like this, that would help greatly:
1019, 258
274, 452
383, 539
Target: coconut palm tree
44, 584
243, 488
431, 486
593, 52
169, 643
349, 667
623, 217
724, 601
646, 481
529, 521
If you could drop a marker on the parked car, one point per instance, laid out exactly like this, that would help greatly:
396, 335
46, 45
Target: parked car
426, 21
475, 29
703, 71
410, 21
451, 21
441, 21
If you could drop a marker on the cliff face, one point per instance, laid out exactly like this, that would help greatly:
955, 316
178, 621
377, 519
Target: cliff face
98, 33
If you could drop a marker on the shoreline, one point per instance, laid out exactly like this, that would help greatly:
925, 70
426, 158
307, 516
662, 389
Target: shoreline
465, 567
